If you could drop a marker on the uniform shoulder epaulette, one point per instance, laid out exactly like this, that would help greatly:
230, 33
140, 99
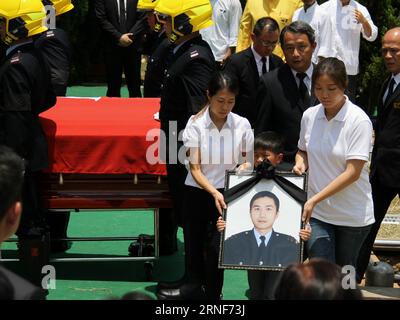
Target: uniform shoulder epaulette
286, 237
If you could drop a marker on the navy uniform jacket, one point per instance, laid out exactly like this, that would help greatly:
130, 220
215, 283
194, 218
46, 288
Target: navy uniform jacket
20, 288
156, 66
242, 249
385, 162
243, 66
56, 49
186, 82
25, 92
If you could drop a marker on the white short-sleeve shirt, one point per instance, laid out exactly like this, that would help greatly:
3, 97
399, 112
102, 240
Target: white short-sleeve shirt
329, 144
220, 150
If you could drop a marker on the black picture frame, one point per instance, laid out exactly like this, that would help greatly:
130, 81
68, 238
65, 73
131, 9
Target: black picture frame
238, 244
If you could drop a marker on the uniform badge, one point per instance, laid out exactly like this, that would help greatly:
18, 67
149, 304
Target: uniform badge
194, 54
396, 105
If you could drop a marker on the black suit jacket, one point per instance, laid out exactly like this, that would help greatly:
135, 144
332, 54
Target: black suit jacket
385, 162
243, 66
242, 249
19, 288
279, 107
108, 16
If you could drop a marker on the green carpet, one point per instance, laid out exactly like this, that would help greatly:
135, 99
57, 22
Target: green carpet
102, 280
85, 280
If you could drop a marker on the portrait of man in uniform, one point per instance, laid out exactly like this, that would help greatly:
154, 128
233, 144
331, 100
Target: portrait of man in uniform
261, 246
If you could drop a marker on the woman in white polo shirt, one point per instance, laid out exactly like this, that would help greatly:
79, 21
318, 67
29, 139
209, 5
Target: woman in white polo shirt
334, 145
217, 140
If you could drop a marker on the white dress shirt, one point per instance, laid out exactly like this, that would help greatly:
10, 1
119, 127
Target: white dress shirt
220, 150
224, 32
259, 62
126, 9
257, 235
347, 31
319, 20
396, 80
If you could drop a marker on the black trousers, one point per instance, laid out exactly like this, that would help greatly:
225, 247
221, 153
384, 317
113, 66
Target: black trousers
202, 241
382, 197
33, 215
262, 284
120, 60
351, 90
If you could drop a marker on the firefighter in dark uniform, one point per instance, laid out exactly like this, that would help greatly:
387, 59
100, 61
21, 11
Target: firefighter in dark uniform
183, 93
25, 92
262, 246
56, 48
157, 47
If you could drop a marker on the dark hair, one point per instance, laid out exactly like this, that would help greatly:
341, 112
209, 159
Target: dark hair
11, 179
332, 67
298, 27
223, 80
266, 22
269, 140
319, 279
137, 295
265, 194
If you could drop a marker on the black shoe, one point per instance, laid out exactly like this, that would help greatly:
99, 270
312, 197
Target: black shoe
171, 284
184, 292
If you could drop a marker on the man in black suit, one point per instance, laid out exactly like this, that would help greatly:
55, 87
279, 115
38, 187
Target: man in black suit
249, 65
385, 162
11, 181
262, 246
285, 93
122, 27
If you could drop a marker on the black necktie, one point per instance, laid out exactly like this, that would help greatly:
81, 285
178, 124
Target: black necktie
390, 90
264, 65
305, 96
262, 244
122, 16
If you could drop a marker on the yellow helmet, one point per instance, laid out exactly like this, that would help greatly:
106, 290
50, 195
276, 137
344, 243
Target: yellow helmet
60, 6
187, 16
23, 18
149, 5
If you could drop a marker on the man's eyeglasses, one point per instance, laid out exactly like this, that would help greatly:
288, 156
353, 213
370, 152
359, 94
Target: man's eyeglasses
393, 51
269, 44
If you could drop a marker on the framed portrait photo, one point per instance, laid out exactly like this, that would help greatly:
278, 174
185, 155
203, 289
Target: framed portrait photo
263, 222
